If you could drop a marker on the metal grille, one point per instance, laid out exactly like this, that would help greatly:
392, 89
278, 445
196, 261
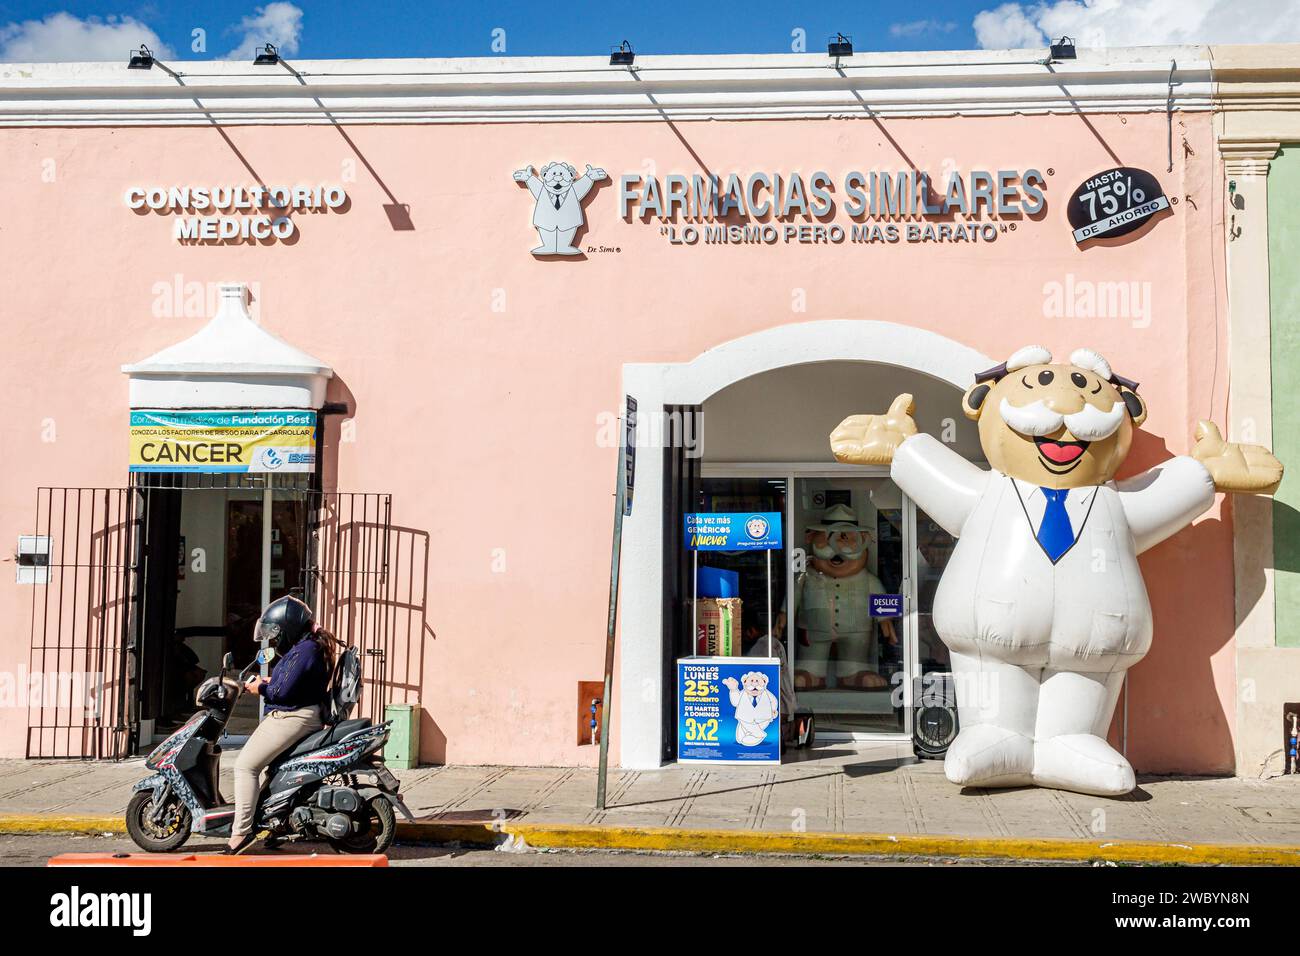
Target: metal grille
221, 481
365, 580
82, 617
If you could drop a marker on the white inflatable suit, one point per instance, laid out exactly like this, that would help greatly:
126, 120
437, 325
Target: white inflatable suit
1042, 604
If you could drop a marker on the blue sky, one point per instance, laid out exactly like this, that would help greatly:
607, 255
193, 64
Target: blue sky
309, 29
347, 28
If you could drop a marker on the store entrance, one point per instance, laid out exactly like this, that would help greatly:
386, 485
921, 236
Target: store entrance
845, 619
211, 561
853, 598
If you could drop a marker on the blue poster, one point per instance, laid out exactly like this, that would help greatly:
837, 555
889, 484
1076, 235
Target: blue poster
729, 710
733, 531
886, 605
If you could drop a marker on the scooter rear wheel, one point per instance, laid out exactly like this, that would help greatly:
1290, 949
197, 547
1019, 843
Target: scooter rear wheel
378, 828
169, 833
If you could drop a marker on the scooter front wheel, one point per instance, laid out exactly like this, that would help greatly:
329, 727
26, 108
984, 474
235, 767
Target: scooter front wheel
170, 831
377, 825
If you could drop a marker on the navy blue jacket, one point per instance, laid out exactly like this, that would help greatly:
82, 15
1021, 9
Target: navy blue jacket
299, 679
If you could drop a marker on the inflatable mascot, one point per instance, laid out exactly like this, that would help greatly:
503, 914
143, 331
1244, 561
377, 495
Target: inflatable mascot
1042, 604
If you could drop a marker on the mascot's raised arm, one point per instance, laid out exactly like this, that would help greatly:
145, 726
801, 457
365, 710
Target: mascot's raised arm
1042, 604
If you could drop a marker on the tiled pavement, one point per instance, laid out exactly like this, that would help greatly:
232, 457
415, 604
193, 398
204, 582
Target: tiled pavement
878, 789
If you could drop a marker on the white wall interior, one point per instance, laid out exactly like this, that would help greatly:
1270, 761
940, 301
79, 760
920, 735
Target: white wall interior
787, 414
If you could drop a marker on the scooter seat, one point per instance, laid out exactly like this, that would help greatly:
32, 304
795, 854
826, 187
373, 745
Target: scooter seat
327, 736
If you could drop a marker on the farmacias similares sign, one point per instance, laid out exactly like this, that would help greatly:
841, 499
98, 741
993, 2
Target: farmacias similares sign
763, 207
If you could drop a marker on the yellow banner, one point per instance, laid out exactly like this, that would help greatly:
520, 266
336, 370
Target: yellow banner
223, 441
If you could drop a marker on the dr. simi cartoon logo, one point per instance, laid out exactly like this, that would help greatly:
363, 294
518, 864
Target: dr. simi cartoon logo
558, 192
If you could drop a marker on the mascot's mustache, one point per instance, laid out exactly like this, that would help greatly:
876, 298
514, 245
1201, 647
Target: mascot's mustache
1037, 420
826, 552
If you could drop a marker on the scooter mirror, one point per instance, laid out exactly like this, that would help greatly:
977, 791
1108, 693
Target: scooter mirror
227, 661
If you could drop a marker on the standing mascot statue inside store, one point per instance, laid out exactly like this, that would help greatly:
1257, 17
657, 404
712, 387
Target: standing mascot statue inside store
834, 601
1042, 604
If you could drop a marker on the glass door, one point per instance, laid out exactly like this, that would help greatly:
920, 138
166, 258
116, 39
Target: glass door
851, 647
853, 610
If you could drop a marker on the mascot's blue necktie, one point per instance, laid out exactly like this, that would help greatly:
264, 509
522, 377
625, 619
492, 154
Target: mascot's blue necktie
1055, 534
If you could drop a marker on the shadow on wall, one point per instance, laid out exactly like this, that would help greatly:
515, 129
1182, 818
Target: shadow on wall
1177, 723
398, 212
370, 581
1286, 529
370, 589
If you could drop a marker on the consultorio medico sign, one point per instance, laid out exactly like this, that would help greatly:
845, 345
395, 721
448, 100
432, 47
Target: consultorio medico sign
859, 207
222, 214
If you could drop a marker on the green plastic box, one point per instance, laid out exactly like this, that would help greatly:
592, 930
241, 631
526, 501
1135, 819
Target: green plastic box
402, 752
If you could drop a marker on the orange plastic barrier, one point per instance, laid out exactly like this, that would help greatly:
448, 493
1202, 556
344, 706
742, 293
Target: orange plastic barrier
217, 859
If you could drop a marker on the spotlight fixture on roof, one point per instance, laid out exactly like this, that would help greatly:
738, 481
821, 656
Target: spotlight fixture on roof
839, 46
1062, 49
622, 55
141, 59
267, 56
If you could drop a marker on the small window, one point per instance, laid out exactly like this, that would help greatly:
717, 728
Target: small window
33, 559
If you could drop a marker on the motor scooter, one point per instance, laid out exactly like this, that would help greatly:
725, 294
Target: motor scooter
332, 784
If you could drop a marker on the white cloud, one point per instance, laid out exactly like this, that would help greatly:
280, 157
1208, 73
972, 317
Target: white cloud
914, 28
63, 37
1007, 28
279, 23
1138, 22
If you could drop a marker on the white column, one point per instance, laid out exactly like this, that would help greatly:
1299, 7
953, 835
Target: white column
1250, 418
1250, 392
640, 690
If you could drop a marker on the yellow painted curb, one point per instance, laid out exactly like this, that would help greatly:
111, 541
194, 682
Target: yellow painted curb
579, 836
45, 823
670, 839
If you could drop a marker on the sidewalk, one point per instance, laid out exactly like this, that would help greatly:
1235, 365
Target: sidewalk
874, 800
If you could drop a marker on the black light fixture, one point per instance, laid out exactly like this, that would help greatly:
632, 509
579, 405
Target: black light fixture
1062, 49
141, 59
839, 46
622, 55
268, 56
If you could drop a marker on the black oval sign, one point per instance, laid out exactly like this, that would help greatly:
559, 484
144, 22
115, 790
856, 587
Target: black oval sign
1114, 203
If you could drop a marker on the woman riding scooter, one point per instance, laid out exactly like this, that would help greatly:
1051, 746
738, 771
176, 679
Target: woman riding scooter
292, 702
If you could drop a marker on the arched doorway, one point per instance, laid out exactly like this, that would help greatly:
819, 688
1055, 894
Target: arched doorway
758, 411
857, 551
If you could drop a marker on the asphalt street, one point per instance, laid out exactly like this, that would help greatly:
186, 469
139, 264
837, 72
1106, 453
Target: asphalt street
36, 849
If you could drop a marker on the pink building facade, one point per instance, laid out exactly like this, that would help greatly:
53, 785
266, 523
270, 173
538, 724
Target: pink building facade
469, 390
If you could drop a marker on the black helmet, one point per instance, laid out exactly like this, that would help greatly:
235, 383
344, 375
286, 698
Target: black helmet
284, 622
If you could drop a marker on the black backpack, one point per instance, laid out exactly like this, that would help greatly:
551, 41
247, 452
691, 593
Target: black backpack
345, 686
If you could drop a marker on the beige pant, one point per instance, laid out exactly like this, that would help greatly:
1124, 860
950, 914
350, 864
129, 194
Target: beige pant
278, 731
854, 653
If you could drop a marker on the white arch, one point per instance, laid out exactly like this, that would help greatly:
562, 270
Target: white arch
829, 340
639, 706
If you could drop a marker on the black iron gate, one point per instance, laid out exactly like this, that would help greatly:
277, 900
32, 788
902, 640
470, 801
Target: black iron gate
84, 611
92, 604
351, 582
